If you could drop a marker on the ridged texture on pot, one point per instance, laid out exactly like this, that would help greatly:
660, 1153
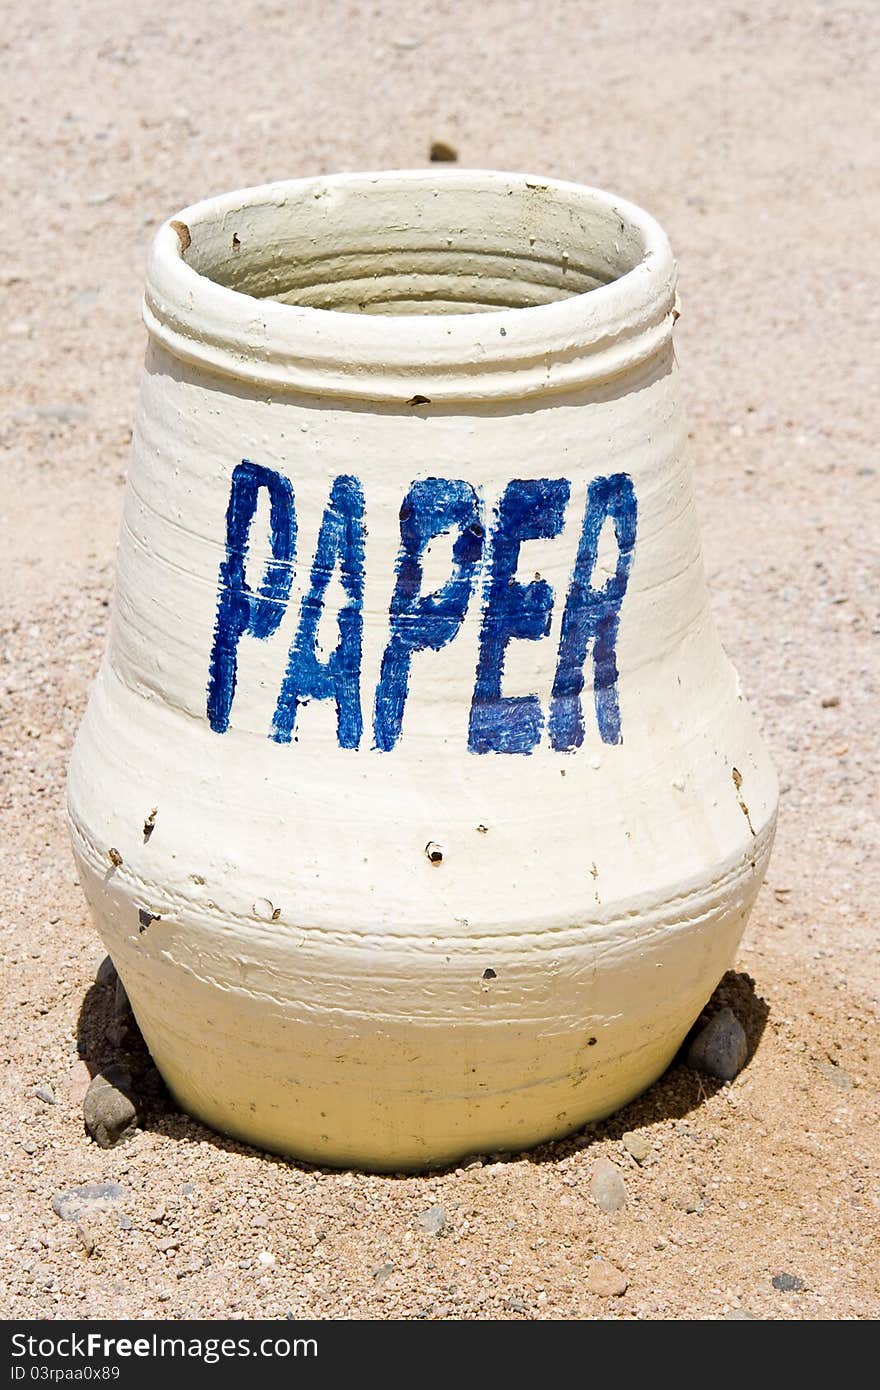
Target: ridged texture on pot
307, 973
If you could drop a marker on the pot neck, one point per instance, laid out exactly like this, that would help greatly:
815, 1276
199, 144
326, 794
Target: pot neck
466, 286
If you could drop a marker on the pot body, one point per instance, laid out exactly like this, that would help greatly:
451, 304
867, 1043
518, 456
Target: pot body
415, 801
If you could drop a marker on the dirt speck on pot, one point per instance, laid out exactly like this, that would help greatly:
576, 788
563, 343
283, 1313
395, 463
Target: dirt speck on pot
183, 235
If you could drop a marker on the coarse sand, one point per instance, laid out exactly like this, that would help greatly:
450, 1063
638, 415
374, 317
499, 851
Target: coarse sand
746, 130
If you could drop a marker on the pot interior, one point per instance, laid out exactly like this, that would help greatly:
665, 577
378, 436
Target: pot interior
439, 243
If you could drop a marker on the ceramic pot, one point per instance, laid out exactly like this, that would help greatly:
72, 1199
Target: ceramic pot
416, 801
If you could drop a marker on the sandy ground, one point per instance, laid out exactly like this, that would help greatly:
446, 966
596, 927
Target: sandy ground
747, 130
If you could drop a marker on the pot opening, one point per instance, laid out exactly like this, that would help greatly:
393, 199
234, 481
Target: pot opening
449, 244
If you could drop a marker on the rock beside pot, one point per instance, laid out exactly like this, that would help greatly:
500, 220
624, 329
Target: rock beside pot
607, 1187
106, 973
721, 1048
109, 1110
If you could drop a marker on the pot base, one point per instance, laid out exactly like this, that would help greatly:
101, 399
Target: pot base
521, 1060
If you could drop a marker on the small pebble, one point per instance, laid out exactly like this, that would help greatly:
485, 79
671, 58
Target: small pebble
123, 1032
92, 1199
108, 1110
835, 1074
266, 1259
382, 1273
433, 1221
86, 1237
788, 1283
637, 1146
28, 1146
78, 1081
691, 1203
606, 1279
45, 1094
121, 1006
517, 1304
106, 972
720, 1049
607, 1186
443, 152
830, 701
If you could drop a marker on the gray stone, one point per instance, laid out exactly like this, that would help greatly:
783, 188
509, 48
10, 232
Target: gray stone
637, 1146
108, 1110
123, 1033
835, 1074
607, 1186
433, 1221
92, 1199
788, 1283
106, 972
121, 1006
45, 1094
720, 1049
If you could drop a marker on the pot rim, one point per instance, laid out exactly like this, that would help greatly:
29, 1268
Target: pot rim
570, 343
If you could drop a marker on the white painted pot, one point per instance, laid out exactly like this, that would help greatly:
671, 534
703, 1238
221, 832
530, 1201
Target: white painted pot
415, 801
